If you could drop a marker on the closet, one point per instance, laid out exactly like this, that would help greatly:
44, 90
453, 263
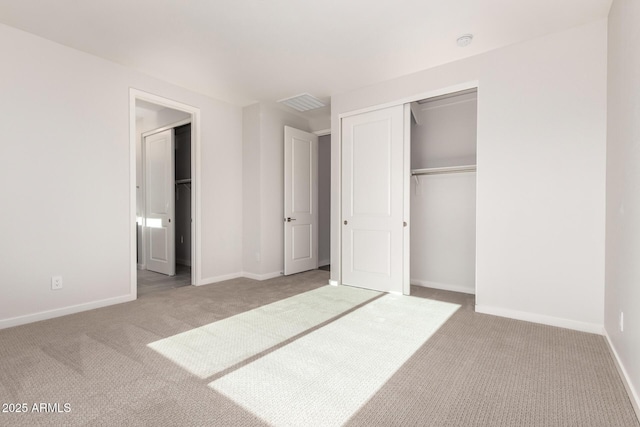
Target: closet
182, 135
443, 192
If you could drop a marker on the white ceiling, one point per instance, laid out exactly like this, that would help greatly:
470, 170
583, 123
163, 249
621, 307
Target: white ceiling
243, 51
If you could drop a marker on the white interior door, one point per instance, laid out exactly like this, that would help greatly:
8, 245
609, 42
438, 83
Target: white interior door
160, 202
373, 151
300, 201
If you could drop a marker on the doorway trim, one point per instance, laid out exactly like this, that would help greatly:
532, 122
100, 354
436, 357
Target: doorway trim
196, 244
336, 279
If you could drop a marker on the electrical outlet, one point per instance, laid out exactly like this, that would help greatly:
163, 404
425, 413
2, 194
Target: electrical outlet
56, 282
621, 321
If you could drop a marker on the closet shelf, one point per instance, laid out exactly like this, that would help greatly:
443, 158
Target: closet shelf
183, 181
447, 169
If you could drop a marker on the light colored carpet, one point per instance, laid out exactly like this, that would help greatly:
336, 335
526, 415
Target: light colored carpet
149, 281
476, 370
327, 375
213, 348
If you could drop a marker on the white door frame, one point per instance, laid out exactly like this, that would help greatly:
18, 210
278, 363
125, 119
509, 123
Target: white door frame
196, 244
407, 168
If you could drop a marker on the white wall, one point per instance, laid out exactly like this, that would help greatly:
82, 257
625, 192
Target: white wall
443, 231
67, 117
623, 190
443, 207
251, 190
264, 153
320, 119
446, 134
324, 200
541, 172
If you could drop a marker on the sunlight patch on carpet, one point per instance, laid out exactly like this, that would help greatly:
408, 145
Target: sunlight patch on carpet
326, 376
209, 349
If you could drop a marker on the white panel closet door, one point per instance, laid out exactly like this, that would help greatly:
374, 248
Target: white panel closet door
159, 165
373, 199
300, 201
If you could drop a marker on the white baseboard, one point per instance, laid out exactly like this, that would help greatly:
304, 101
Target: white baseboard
141, 266
50, 314
216, 279
593, 328
324, 262
266, 276
333, 282
443, 286
634, 397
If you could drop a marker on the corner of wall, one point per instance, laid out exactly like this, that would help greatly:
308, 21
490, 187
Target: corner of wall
634, 396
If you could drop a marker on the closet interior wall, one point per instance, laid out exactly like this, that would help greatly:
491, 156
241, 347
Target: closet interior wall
324, 200
183, 194
443, 192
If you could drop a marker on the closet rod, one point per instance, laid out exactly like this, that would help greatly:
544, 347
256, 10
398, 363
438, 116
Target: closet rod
448, 169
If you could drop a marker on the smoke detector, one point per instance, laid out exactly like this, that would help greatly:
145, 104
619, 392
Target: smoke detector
464, 40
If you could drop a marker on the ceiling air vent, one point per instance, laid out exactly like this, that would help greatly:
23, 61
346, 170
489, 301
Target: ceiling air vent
302, 102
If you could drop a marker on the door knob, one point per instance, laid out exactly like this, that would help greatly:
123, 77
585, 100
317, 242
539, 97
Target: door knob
290, 219
345, 222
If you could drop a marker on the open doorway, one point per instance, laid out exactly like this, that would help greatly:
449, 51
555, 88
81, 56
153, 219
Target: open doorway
443, 191
164, 136
324, 202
